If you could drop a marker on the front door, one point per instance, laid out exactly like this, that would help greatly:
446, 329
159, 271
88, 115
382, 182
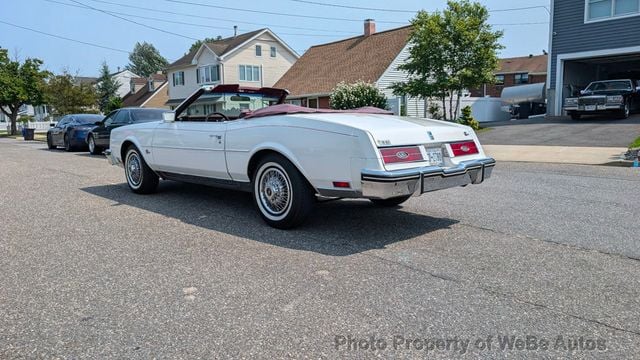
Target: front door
193, 148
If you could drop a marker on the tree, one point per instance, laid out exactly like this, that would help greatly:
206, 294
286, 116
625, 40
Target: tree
357, 95
107, 88
20, 84
145, 60
114, 103
197, 44
451, 50
468, 119
67, 97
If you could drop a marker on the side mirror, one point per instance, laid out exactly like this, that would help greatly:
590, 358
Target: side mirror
52, 125
169, 117
582, 92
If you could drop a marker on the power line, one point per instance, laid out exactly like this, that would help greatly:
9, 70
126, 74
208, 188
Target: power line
276, 13
177, 22
135, 22
65, 38
403, 11
218, 19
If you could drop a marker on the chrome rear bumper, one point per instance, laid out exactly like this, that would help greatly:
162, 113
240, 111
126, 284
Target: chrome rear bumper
380, 184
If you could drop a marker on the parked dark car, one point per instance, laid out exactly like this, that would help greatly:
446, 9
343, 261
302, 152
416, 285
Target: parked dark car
98, 138
71, 131
609, 96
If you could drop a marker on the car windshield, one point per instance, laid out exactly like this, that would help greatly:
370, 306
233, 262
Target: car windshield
609, 86
144, 115
87, 119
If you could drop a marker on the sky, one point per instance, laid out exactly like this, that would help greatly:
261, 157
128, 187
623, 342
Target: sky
176, 23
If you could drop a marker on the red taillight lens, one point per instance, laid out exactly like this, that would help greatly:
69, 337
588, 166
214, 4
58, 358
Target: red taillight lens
401, 154
341, 184
464, 148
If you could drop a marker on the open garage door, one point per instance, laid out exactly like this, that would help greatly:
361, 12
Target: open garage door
574, 74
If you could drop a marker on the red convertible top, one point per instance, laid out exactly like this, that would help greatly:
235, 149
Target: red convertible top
285, 109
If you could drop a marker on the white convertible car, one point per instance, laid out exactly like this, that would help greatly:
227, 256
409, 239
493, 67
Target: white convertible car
288, 155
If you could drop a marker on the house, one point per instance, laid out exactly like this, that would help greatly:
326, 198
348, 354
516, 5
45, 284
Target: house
123, 77
372, 57
151, 92
255, 59
515, 71
591, 40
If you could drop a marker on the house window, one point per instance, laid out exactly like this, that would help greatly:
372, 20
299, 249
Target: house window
499, 79
604, 9
249, 73
297, 102
521, 78
178, 78
273, 51
312, 103
258, 50
208, 74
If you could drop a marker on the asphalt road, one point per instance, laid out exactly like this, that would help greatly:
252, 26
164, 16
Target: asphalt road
90, 270
596, 131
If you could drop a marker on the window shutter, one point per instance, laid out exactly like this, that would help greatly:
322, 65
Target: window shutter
198, 76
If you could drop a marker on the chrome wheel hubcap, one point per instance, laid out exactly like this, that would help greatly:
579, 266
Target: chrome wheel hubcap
134, 172
275, 191
92, 146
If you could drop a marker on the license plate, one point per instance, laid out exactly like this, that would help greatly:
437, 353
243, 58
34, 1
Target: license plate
590, 108
435, 156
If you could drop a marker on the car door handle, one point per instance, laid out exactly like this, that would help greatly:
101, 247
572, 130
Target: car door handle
219, 137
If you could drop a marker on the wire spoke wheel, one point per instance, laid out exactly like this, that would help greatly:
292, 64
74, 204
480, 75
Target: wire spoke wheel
134, 169
275, 191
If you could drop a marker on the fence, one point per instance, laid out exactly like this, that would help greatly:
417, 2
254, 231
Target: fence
40, 126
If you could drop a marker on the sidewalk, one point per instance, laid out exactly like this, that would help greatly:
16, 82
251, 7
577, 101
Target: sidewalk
558, 154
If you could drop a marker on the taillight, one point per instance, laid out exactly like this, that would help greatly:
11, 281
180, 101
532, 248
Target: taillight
464, 148
401, 154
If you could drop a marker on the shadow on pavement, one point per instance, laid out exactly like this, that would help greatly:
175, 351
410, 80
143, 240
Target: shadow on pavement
336, 228
593, 119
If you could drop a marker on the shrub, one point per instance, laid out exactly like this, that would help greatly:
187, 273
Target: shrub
467, 119
434, 110
351, 96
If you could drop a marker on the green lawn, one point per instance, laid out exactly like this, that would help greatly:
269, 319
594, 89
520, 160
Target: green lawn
635, 144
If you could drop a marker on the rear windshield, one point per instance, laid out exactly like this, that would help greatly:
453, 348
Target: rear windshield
87, 119
144, 115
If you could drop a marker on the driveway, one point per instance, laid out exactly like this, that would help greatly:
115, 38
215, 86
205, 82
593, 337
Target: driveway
587, 132
90, 270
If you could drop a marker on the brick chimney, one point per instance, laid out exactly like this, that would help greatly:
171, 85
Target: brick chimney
369, 27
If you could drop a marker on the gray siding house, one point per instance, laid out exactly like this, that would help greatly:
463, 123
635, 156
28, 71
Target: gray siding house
591, 40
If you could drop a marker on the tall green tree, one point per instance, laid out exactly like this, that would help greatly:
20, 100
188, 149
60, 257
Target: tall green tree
66, 96
107, 89
145, 60
197, 44
20, 84
452, 50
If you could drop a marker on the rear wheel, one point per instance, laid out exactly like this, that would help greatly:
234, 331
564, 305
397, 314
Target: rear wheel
140, 178
93, 149
50, 142
281, 193
391, 202
575, 116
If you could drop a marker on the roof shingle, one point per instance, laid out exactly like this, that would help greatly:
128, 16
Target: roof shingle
530, 64
364, 58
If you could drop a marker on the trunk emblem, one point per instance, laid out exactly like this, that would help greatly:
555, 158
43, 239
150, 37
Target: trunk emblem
430, 135
402, 154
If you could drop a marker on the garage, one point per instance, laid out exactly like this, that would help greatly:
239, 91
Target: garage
574, 74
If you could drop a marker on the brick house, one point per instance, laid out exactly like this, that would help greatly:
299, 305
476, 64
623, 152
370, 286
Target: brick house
515, 71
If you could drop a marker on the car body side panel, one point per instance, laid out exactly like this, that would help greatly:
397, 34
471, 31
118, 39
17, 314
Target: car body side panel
141, 135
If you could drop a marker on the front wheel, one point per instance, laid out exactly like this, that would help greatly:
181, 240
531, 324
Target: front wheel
140, 178
93, 149
50, 142
67, 143
281, 193
624, 114
391, 202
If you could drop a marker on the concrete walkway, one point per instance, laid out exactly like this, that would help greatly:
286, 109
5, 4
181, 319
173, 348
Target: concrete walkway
557, 154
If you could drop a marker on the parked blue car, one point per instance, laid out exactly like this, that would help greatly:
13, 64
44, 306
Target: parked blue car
71, 131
